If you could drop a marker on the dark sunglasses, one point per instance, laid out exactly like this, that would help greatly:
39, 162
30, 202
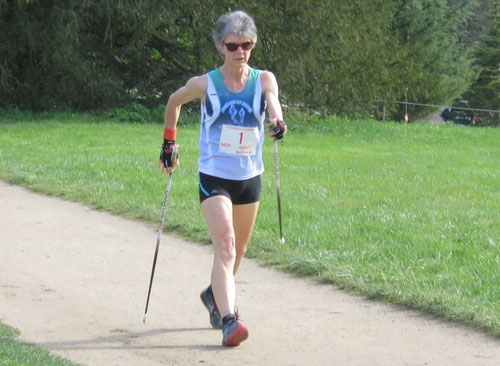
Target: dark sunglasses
231, 47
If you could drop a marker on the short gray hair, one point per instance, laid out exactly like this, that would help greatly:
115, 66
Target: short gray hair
237, 22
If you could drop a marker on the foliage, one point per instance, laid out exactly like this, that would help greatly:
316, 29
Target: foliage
434, 66
40, 62
484, 93
342, 57
136, 113
334, 56
472, 28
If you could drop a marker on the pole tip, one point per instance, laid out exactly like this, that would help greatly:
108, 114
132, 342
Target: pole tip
144, 319
282, 240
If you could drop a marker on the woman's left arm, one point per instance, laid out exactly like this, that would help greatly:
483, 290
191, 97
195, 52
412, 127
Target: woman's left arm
270, 89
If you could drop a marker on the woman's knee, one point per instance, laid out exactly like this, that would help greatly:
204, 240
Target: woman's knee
225, 248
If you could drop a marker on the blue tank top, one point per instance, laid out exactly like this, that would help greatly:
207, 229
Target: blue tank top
232, 129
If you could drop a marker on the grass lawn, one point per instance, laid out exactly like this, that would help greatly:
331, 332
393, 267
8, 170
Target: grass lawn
14, 353
405, 213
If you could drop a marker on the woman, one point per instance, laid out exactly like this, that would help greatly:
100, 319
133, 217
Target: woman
233, 102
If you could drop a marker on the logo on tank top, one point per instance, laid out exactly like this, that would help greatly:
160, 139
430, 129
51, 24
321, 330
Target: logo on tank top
237, 110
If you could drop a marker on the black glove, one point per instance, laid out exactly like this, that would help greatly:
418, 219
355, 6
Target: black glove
279, 129
166, 153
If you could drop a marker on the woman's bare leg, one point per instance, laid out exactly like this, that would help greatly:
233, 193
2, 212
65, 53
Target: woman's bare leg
218, 212
244, 217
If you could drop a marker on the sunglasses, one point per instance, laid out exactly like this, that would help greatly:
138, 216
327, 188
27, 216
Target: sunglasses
231, 47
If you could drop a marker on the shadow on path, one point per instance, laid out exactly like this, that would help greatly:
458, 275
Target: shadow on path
123, 341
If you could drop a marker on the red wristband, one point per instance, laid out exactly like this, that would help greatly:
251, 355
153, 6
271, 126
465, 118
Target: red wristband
169, 134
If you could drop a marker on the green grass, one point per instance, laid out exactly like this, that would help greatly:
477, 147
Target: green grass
404, 213
15, 353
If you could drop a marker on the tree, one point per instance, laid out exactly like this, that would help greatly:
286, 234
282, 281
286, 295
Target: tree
342, 57
433, 65
484, 93
334, 56
39, 62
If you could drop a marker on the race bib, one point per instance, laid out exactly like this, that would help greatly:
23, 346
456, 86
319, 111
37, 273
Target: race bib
238, 140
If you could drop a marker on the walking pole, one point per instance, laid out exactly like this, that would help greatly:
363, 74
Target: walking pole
160, 230
277, 175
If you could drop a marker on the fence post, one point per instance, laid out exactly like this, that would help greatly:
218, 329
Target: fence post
407, 117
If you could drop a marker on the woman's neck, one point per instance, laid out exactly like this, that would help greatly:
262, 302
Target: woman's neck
235, 78
235, 72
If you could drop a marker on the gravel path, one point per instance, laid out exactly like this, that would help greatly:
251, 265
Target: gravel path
74, 281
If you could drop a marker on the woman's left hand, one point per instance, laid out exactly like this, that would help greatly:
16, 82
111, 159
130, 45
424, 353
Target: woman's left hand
277, 129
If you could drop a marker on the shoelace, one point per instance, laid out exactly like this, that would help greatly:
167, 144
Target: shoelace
235, 316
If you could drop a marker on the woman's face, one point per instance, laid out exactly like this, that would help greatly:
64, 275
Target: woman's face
237, 49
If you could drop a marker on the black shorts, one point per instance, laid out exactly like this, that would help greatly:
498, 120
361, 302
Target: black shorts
240, 192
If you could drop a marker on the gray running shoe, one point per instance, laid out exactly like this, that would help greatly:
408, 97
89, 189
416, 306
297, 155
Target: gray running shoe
234, 332
207, 297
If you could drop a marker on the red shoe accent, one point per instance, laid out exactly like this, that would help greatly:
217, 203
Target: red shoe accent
238, 336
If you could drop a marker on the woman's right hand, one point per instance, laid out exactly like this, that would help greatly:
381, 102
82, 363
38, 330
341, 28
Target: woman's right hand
169, 156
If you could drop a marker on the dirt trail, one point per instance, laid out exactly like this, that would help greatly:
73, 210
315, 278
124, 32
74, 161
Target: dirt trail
75, 281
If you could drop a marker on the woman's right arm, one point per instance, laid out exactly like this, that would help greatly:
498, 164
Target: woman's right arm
195, 88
